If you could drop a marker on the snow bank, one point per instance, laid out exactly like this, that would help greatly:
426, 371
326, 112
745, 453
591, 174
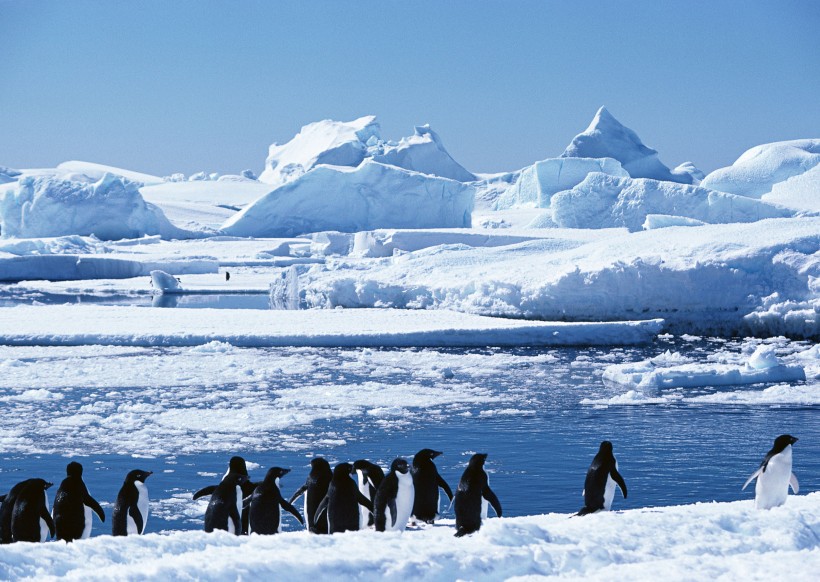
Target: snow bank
537, 183
371, 196
698, 284
385, 243
686, 542
140, 326
666, 220
657, 373
798, 318
606, 137
95, 172
110, 208
603, 201
757, 171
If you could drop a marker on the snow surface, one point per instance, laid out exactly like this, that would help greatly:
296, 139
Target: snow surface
685, 542
96, 171
758, 169
371, 196
137, 326
606, 137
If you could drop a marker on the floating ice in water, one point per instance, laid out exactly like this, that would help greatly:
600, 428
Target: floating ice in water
165, 283
764, 357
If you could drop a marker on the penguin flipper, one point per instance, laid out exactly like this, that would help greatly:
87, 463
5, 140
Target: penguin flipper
393, 511
616, 476
299, 492
490, 496
364, 501
794, 484
752, 478
92, 503
2, 498
292, 510
320, 510
135, 514
443, 484
45, 515
205, 491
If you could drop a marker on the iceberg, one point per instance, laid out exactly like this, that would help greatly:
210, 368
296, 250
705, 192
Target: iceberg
606, 137
368, 197
423, 152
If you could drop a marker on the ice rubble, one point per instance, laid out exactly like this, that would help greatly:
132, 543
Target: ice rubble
760, 168
606, 137
372, 195
603, 200
339, 143
685, 542
110, 208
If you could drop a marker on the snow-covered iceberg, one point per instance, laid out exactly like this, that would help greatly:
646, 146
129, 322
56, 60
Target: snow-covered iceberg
603, 200
368, 197
755, 172
339, 143
96, 171
537, 183
109, 208
606, 137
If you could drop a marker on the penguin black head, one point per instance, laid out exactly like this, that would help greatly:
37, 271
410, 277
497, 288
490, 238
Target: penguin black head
426, 455
319, 463
236, 478
74, 469
274, 473
138, 475
478, 459
399, 465
342, 471
237, 465
606, 447
783, 441
40, 483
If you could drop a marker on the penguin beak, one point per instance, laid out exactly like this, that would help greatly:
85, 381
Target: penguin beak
436, 454
285, 472
48, 484
794, 440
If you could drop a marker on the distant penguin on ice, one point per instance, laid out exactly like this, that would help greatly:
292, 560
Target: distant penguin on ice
315, 490
130, 513
774, 476
264, 504
370, 477
473, 490
30, 519
341, 504
427, 481
395, 497
73, 506
602, 476
225, 507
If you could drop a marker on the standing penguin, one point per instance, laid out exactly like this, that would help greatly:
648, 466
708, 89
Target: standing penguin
7, 508
73, 506
341, 504
427, 481
236, 466
394, 499
472, 490
369, 476
225, 508
264, 514
774, 476
602, 476
315, 490
131, 508
30, 519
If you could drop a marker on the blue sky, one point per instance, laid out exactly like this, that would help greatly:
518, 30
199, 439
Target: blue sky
171, 86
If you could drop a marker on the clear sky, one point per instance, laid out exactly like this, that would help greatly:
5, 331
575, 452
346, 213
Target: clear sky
182, 86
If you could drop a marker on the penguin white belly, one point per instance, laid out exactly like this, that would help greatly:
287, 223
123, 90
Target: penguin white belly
44, 531
404, 502
485, 505
364, 489
609, 492
87, 525
306, 514
142, 506
772, 487
231, 528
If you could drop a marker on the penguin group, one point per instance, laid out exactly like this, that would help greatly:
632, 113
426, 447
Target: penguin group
348, 497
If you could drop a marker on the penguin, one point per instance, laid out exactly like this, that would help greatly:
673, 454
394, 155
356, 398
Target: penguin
73, 506
237, 466
225, 507
602, 476
340, 505
472, 490
314, 490
30, 519
131, 508
264, 514
427, 481
369, 476
395, 497
774, 476
6, 510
